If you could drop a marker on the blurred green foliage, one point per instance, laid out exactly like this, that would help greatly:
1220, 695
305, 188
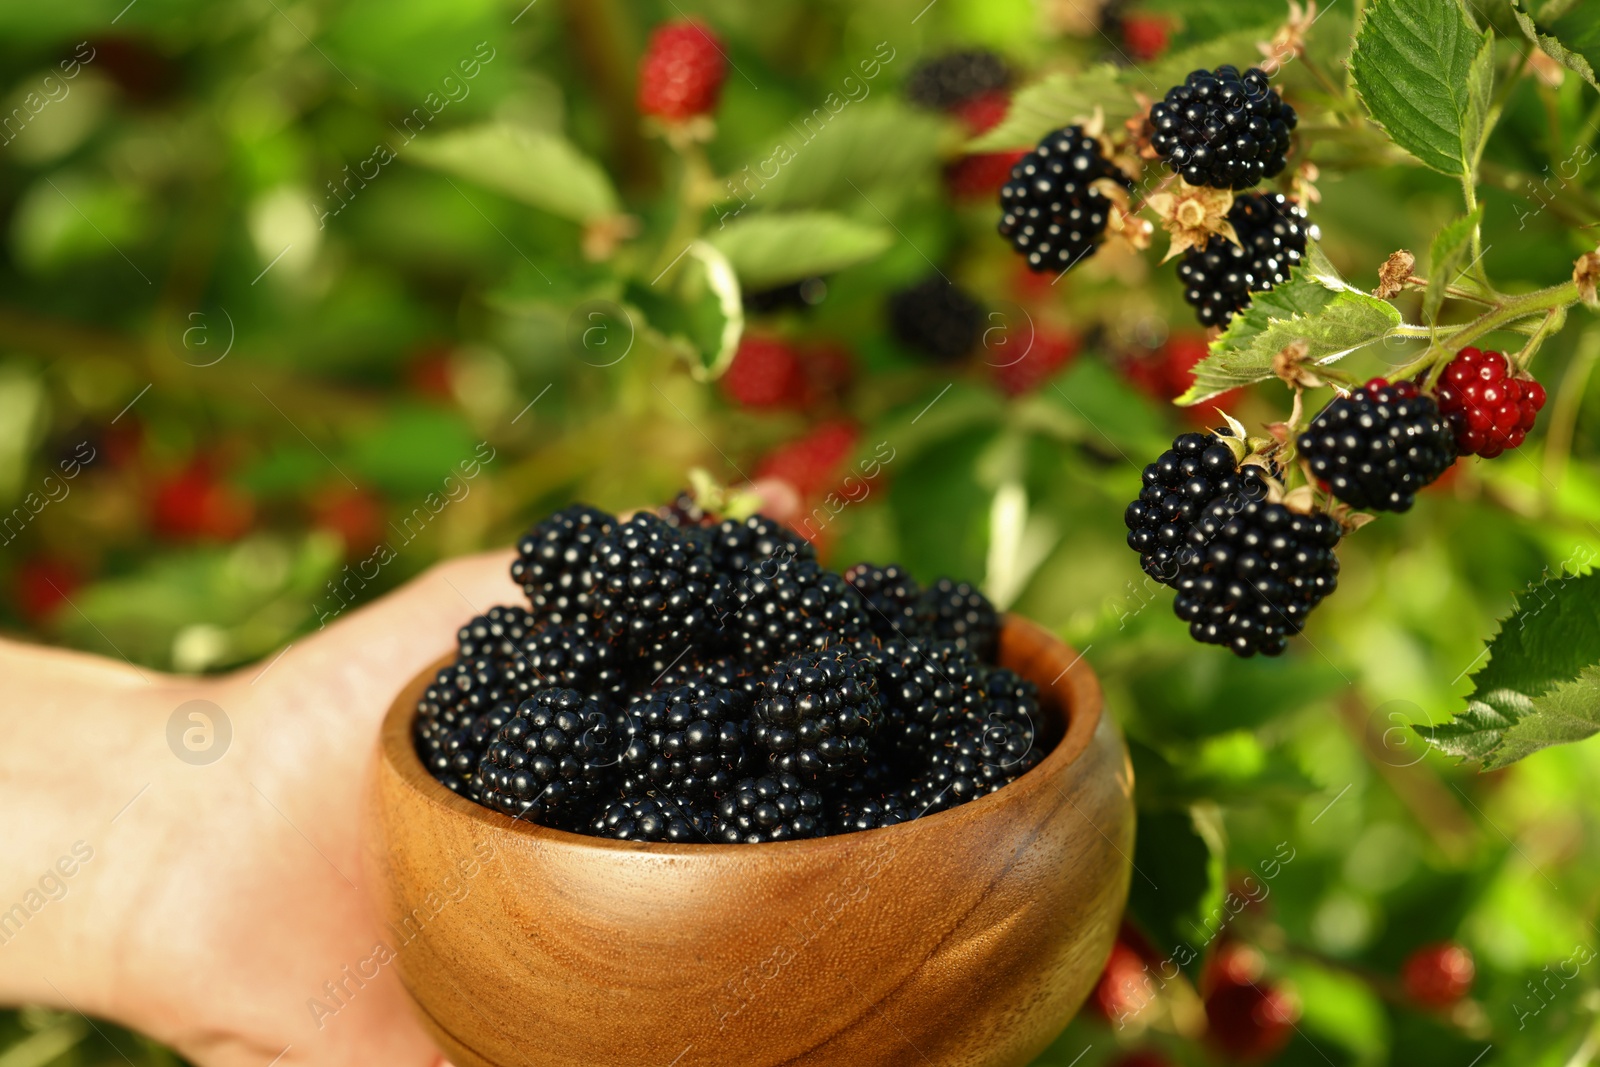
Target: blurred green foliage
276, 368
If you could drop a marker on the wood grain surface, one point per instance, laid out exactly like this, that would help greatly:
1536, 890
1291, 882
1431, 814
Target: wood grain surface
963, 939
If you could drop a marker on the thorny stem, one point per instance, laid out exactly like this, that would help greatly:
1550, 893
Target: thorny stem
1553, 320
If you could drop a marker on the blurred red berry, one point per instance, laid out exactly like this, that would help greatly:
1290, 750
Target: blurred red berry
43, 584
428, 374
681, 73
1233, 963
811, 463
354, 515
1438, 975
194, 504
765, 373
143, 73
1168, 372
1250, 1023
1050, 351
1490, 406
1125, 988
122, 443
983, 112
828, 369
980, 176
1145, 37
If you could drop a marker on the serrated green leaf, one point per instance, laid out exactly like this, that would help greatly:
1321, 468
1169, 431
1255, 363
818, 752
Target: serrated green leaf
534, 166
1178, 876
1425, 73
695, 310
773, 249
1315, 306
1573, 40
1057, 100
1541, 686
1450, 248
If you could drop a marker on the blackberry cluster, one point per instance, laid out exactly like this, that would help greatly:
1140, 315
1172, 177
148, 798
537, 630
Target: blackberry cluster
946, 81
1049, 210
1178, 487
1254, 572
1219, 279
936, 318
1223, 129
1378, 446
680, 679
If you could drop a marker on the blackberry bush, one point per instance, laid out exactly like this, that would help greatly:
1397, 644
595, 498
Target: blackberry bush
1198, 469
1050, 210
1378, 446
1219, 279
1223, 129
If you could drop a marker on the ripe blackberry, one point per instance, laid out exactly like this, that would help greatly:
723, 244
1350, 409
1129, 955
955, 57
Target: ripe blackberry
555, 560
555, 753
497, 633
574, 656
656, 591
1178, 486
1223, 129
457, 716
1049, 210
756, 545
719, 672
799, 608
655, 818
943, 82
686, 742
853, 816
818, 714
776, 807
975, 756
1253, 573
1219, 279
937, 319
925, 684
1489, 407
893, 599
681, 73
962, 614
1378, 446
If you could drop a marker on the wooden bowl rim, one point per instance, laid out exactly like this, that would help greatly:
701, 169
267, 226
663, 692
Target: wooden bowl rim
1076, 691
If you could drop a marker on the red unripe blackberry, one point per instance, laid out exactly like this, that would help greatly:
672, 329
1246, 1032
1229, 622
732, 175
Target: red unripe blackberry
950, 80
196, 504
1145, 36
1252, 572
1250, 1022
685, 742
817, 715
1438, 975
980, 175
656, 818
1378, 446
43, 585
961, 614
1223, 129
1049, 210
682, 70
1125, 987
765, 373
893, 599
554, 754
1490, 407
1049, 352
555, 561
812, 463
936, 318
1178, 487
1219, 279
777, 807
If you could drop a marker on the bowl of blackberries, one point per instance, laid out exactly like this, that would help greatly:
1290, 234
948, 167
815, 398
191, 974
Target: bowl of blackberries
702, 801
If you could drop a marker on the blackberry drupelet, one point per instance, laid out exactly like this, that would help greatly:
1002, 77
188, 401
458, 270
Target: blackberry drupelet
777, 807
818, 714
801, 607
944, 81
685, 742
961, 614
893, 599
1256, 571
656, 818
1223, 129
1049, 210
556, 752
1178, 486
1219, 279
936, 318
853, 816
657, 591
925, 685
555, 559
1378, 446
497, 633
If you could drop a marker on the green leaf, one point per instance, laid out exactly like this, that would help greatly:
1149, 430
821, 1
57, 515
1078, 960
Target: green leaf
1178, 876
773, 249
1425, 73
698, 313
1058, 100
831, 159
1315, 306
1573, 40
533, 166
1450, 247
1541, 686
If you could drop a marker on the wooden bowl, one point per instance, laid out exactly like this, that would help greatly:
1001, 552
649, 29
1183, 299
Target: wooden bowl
961, 939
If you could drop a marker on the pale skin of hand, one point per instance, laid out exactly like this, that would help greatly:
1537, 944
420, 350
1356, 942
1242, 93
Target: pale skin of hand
220, 900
